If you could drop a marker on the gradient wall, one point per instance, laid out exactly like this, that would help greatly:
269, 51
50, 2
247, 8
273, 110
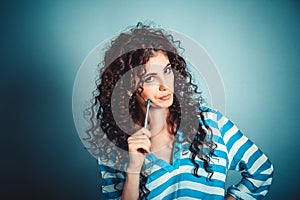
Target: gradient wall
254, 44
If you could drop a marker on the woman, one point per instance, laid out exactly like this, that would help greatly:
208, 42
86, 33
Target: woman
186, 149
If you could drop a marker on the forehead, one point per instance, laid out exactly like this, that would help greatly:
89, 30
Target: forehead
158, 61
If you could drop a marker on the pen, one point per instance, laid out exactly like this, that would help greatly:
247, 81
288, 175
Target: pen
147, 113
145, 124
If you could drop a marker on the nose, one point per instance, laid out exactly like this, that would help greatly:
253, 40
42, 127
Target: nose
162, 87
163, 84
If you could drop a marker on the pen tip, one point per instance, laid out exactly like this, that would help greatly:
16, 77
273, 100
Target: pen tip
148, 101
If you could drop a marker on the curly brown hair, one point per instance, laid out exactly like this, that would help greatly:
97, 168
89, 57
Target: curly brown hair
128, 51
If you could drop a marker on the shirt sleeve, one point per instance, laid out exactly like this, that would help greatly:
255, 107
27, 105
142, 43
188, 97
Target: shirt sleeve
245, 156
112, 181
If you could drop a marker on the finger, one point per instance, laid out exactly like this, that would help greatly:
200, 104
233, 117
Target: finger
142, 151
142, 131
137, 140
138, 137
146, 132
141, 135
134, 147
144, 141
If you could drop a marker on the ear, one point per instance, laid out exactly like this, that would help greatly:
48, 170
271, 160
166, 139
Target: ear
140, 89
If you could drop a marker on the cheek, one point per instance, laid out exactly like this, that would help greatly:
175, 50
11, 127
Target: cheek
149, 91
171, 83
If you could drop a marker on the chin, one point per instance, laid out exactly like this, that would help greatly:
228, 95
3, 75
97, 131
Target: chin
165, 104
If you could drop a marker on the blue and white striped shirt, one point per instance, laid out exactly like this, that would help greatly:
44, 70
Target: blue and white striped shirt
176, 181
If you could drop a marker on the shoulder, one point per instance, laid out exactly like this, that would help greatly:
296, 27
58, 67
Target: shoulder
216, 119
210, 113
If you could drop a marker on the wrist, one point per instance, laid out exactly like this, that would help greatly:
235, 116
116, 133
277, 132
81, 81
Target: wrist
133, 169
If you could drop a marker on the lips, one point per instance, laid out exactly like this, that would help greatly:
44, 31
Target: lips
165, 97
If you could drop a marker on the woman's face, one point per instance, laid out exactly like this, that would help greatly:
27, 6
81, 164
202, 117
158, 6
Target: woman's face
158, 82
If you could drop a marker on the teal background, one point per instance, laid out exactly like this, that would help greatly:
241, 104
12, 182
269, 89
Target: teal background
254, 44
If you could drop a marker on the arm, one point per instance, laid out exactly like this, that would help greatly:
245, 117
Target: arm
138, 140
131, 186
117, 184
244, 155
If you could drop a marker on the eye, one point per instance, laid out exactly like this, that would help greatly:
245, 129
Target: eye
149, 79
168, 70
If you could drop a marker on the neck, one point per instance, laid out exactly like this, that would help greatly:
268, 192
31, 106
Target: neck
158, 120
162, 140
160, 133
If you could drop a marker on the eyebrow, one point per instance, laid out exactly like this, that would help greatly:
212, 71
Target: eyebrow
167, 65
152, 74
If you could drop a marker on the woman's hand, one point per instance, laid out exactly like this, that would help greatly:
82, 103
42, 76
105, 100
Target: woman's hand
139, 145
138, 140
